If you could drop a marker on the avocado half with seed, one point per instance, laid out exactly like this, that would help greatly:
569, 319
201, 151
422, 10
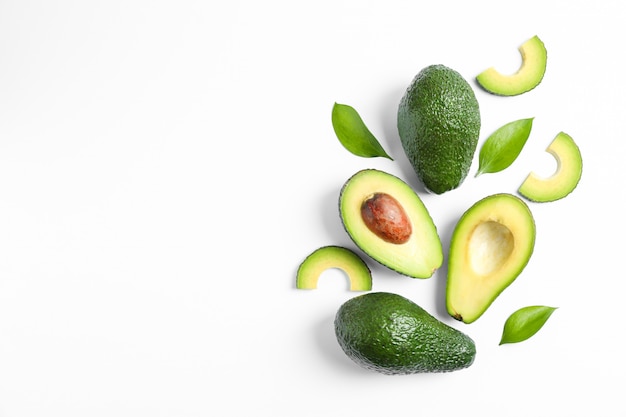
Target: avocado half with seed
529, 75
490, 246
334, 257
564, 180
389, 222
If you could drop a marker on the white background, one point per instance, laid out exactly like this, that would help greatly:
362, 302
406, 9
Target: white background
166, 165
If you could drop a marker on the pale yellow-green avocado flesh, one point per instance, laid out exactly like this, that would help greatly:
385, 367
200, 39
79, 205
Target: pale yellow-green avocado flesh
334, 257
529, 75
491, 245
565, 178
421, 255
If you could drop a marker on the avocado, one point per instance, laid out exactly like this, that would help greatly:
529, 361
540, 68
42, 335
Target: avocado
439, 124
529, 75
338, 257
389, 222
490, 246
564, 180
390, 334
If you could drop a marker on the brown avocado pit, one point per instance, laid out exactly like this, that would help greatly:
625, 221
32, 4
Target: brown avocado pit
386, 218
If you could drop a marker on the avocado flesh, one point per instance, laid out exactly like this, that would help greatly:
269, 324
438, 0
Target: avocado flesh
564, 180
439, 124
421, 254
337, 257
390, 334
490, 246
531, 72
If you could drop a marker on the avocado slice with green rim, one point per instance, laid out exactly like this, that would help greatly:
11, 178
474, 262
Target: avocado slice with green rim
338, 257
491, 244
564, 180
531, 72
390, 223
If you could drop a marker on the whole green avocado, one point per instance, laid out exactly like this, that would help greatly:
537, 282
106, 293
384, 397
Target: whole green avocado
392, 335
439, 124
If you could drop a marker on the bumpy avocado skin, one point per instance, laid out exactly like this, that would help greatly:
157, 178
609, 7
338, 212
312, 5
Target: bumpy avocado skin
439, 124
392, 335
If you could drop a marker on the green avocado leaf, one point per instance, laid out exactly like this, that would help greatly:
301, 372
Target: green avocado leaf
503, 146
354, 134
525, 322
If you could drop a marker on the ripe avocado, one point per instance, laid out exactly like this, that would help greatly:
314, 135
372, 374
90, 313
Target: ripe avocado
491, 245
439, 124
334, 257
390, 223
390, 334
564, 180
529, 75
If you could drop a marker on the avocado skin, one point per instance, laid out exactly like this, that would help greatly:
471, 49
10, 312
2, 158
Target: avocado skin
392, 335
439, 124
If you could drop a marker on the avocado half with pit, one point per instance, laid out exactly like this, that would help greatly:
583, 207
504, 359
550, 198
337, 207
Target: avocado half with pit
490, 246
334, 257
390, 223
529, 75
564, 180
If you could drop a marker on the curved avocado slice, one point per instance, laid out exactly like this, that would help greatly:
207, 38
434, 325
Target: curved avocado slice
389, 222
564, 180
529, 75
491, 244
338, 257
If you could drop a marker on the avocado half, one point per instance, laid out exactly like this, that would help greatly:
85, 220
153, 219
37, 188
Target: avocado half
490, 246
564, 180
531, 72
337, 257
389, 222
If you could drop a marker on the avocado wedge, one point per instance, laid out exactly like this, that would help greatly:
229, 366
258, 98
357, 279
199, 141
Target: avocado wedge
564, 180
531, 72
338, 257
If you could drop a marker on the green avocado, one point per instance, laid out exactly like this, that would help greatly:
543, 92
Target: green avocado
337, 257
491, 244
390, 223
439, 124
390, 334
564, 180
529, 75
